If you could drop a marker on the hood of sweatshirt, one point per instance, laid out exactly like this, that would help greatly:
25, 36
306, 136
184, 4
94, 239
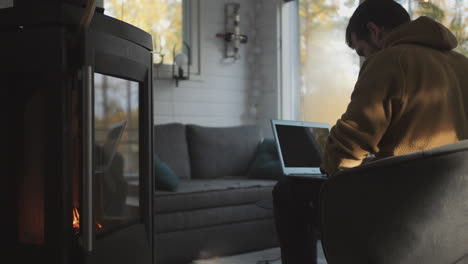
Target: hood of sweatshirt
422, 31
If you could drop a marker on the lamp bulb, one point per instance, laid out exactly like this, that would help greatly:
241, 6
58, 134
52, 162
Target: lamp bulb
181, 59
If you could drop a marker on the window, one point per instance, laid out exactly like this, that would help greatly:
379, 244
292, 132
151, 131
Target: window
451, 13
170, 22
329, 68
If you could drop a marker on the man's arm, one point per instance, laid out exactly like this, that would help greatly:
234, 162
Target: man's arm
360, 129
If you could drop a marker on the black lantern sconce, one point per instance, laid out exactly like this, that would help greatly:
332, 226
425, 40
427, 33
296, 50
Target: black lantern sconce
232, 36
182, 62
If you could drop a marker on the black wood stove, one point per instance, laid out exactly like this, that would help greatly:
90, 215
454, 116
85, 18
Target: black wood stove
78, 136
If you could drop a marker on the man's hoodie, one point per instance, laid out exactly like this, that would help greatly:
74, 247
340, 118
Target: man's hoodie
411, 95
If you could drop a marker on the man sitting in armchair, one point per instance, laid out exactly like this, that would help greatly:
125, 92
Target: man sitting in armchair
411, 95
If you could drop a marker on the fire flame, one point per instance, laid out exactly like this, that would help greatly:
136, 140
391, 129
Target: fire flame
76, 221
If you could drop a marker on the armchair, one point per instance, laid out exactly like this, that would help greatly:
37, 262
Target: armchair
407, 209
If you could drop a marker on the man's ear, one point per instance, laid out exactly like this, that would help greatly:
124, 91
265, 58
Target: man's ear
376, 31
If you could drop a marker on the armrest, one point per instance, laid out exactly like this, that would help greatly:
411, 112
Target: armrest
408, 158
407, 209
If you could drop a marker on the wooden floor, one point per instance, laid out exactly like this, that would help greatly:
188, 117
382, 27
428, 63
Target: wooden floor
269, 256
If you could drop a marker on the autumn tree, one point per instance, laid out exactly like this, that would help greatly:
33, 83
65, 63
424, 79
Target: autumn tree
324, 56
160, 18
449, 13
314, 14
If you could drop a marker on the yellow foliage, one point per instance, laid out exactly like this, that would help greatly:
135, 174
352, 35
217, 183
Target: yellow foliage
160, 18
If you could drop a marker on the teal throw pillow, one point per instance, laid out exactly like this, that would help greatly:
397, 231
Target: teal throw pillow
266, 164
165, 177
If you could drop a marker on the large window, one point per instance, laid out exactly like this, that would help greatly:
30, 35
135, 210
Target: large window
329, 68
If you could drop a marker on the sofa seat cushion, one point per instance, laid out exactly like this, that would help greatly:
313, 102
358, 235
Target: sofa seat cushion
202, 218
208, 193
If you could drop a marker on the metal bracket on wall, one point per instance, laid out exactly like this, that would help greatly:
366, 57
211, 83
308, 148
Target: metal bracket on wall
232, 36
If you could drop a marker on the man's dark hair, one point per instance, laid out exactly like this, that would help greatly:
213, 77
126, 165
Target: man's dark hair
385, 13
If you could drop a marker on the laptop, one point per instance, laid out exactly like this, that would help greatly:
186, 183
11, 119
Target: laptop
300, 147
110, 146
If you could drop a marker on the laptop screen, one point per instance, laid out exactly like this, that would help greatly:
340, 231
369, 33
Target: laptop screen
300, 145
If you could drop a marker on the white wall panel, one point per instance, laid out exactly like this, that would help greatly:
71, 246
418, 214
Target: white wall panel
222, 94
210, 121
270, 75
203, 109
164, 108
210, 96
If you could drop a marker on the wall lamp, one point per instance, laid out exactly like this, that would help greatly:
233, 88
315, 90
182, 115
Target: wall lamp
232, 36
182, 63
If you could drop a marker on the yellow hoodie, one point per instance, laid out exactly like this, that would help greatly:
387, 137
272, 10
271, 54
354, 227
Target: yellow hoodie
411, 95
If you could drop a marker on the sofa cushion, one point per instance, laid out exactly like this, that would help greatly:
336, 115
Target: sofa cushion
170, 144
164, 177
266, 164
209, 193
221, 151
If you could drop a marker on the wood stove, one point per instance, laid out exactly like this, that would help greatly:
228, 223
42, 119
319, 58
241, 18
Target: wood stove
78, 137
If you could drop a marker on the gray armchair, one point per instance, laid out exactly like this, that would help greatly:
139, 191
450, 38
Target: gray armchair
407, 209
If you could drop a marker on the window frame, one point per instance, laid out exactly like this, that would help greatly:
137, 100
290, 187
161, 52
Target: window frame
289, 92
191, 31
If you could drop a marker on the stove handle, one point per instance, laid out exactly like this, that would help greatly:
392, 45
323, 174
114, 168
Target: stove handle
87, 190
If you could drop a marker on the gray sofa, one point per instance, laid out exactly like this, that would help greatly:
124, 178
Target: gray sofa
214, 211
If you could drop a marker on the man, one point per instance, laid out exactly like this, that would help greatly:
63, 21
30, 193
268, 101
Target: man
411, 94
